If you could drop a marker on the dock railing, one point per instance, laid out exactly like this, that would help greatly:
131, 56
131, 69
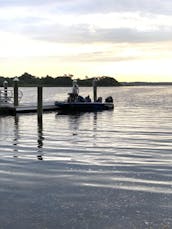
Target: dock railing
7, 96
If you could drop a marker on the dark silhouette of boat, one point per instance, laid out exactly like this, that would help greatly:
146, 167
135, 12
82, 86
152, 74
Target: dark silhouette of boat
77, 103
83, 106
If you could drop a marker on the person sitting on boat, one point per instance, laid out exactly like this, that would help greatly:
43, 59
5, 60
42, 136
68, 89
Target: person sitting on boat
87, 99
71, 98
99, 100
80, 99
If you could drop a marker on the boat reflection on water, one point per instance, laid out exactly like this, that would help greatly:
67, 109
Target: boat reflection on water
81, 125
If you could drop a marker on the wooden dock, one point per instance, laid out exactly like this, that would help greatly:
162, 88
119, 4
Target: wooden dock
9, 101
10, 109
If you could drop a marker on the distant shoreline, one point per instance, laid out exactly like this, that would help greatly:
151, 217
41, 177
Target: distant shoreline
146, 83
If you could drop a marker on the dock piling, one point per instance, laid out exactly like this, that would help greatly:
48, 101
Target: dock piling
16, 93
95, 89
39, 104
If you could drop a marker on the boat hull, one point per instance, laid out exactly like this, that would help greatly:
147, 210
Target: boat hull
83, 106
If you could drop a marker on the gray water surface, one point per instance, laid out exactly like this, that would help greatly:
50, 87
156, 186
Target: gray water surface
110, 169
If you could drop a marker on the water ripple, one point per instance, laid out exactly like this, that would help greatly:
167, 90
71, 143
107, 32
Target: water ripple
118, 160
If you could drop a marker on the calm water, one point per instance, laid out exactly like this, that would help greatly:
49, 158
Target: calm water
110, 169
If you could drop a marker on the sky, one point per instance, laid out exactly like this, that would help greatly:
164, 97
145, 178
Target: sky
126, 39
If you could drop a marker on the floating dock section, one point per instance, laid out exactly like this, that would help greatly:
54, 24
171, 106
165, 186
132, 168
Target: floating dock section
10, 109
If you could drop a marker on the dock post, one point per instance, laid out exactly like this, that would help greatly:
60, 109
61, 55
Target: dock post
5, 84
39, 104
95, 89
16, 93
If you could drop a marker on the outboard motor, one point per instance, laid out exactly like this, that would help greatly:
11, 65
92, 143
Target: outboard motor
109, 99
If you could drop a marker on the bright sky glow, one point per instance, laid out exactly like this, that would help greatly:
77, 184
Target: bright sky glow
126, 39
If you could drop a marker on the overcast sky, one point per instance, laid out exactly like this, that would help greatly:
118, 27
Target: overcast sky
127, 39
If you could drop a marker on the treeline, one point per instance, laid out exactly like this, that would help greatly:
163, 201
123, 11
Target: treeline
27, 80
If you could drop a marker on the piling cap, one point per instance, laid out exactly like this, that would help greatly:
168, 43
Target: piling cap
5, 83
94, 81
16, 79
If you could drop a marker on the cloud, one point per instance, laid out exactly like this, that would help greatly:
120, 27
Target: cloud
90, 6
84, 34
78, 21
16, 3
115, 28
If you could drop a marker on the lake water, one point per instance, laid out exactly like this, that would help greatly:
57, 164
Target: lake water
104, 170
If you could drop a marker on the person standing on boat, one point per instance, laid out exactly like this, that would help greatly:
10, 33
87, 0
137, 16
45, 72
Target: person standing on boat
75, 88
73, 96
